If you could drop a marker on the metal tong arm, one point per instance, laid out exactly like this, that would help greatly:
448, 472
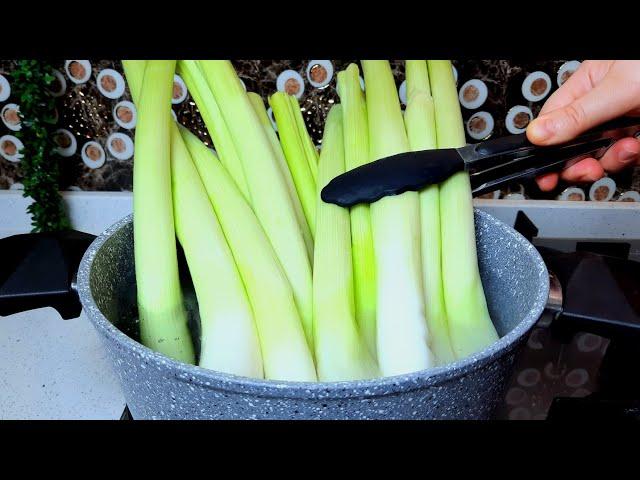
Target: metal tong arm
495, 163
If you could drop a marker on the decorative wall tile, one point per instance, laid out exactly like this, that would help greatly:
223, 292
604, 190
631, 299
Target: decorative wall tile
94, 105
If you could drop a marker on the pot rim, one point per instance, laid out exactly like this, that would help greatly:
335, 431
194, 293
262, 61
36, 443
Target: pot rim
211, 379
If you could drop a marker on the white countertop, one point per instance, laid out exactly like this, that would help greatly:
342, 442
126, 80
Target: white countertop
55, 369
52, 368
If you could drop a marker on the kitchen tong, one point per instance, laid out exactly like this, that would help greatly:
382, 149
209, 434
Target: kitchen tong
491, 164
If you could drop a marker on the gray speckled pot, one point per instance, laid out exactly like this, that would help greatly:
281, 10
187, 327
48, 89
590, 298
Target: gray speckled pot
516, 284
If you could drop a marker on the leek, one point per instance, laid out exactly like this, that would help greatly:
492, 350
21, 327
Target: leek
356, 153
259, 108
267, 186
163, 319
229, 340
470, 325
419, 118
199, 90
295, 154
341, 353
310, 150
134, 71
402, 334
285, 352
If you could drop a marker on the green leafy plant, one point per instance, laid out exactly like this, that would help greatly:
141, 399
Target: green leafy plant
40, 165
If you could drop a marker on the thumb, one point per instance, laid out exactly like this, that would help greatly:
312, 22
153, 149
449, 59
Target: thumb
609, 99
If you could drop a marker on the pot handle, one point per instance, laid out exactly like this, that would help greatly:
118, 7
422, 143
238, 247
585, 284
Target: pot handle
590, 292
600, 295
39, 270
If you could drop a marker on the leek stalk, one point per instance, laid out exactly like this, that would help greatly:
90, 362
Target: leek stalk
356, 153
402, 334
293, 147
285, 352
163, 320
341, 353
229, 340
310, 150
470, 325
259, 108
420, 122
222, 141
134, 71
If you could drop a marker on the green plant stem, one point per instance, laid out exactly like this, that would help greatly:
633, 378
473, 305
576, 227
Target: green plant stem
40, 166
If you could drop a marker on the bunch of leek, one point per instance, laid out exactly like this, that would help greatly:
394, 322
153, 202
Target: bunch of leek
270, 197
285, 352
229, 340
394, 286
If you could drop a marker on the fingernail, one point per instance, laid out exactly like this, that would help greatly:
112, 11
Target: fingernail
541, 129
628, 156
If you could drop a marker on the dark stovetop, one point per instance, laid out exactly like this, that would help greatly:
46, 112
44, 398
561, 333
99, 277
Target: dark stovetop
565, 373
548, 368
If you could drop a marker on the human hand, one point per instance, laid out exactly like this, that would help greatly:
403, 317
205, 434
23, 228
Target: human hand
599, 91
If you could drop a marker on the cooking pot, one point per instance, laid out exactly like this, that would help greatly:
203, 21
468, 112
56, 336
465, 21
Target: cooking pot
516, 284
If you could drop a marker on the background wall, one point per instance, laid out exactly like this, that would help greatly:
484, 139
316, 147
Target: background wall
89, 115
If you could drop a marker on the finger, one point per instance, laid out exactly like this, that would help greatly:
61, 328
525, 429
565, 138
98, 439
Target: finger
548, 181
605, 101
622, 154
577, 85
587, 170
